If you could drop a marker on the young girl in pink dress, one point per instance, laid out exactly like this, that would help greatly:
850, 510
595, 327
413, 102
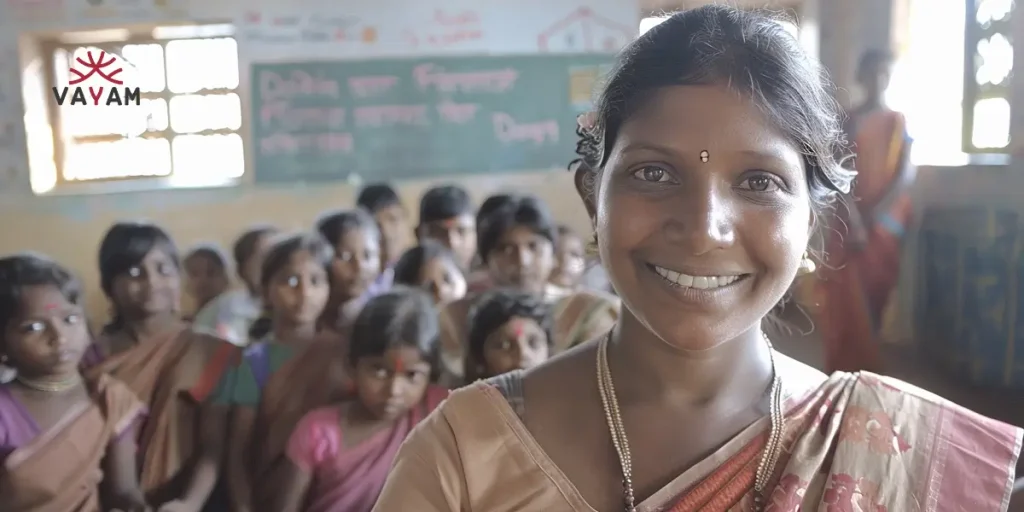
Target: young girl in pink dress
339, 456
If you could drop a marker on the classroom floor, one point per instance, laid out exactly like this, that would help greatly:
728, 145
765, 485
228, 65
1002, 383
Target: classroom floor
909, 364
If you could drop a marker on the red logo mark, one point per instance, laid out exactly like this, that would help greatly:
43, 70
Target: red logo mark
96, 66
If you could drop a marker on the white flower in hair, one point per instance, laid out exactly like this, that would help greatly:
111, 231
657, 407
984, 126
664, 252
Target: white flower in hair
587, 120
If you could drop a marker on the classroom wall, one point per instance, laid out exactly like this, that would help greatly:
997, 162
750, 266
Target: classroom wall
69, 227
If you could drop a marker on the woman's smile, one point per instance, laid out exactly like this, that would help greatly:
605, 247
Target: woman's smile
706, 290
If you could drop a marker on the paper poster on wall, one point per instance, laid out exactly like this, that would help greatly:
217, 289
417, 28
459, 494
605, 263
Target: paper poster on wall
584, 30
125, 10
280, 28
445, 28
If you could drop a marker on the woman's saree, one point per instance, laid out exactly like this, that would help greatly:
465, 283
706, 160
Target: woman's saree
852, 443
856, 285
164, 373
59, 470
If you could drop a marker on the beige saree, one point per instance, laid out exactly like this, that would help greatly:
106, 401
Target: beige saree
852, 443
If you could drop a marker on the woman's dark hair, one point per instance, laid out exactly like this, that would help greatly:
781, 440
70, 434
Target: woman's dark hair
27, 269
752, 53
401, 317
277, 257
493, 310
525, 210
334, 226
444, 202
245, 245
123, 247
211, 252
409, 267
377, 196
492, 203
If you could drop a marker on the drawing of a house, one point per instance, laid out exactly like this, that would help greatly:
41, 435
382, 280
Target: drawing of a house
583, 30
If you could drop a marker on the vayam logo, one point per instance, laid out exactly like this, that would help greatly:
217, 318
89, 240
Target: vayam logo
97, 78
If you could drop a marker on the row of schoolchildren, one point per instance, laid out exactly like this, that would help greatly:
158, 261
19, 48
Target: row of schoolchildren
341, 340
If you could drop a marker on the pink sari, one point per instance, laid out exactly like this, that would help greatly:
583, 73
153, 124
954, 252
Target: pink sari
350, 477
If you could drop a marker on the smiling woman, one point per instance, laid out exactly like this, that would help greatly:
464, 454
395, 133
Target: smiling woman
701, 412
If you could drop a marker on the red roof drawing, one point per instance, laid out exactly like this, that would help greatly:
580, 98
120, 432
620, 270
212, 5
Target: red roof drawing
589, 22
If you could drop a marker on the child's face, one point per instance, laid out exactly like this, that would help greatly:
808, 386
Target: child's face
443, 279
569, 261
395, 231
152, 287
522, 259
207, 278
456, 233
297, 293
519, 344
49, 335
250, 271
356, 264
390, 384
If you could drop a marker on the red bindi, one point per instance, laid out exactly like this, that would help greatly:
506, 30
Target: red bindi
51, 307
399, 366
517, 328
448, 223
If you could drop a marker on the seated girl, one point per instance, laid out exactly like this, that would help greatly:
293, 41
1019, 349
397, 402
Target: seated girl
433, 267
284, 373
516, 236
206, 269
356, 268
339, 456
508, 331
67, 444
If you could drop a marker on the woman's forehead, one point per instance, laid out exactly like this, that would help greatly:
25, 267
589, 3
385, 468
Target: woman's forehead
684, 121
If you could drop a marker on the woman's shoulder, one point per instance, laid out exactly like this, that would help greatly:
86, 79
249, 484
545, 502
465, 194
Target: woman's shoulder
913, 406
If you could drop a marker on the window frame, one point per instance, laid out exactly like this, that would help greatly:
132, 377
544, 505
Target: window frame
973, 92
50, 46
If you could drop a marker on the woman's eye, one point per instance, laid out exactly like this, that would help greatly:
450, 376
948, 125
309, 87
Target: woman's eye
760, 184
164, 269
72, 319
135, 272
381, 373
345, 256
293, 281
651, 174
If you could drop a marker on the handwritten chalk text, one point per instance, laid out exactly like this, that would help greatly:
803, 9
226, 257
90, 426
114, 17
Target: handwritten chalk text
508, 130
390, 115
292, 119
457, 113
292, 143
275, 87
431, 75
369, 86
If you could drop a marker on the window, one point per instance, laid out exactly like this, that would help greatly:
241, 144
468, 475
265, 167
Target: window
185, 128
952, 109
988, 64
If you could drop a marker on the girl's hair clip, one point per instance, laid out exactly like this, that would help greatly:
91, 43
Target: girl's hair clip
587, 120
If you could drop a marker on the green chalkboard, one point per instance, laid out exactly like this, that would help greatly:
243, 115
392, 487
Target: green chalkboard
401, 119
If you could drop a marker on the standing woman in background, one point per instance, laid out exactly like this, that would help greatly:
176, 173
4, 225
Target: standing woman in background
864, 249
147, 346
712, 150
